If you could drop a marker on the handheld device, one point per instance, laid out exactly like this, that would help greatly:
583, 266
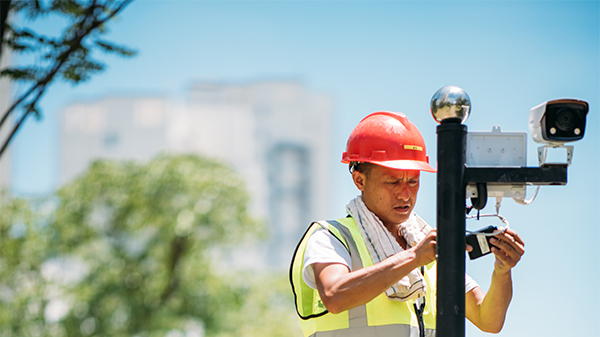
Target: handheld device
480, 241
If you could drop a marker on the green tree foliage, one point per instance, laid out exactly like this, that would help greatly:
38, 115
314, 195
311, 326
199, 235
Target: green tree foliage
131, 249
67, 56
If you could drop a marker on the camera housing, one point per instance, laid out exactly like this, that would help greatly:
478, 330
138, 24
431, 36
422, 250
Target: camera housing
496, 149
558, 121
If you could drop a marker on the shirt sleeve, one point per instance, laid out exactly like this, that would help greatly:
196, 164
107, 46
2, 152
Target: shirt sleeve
323, 247
470, 284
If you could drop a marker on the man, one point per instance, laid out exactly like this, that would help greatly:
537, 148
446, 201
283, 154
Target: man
373, 272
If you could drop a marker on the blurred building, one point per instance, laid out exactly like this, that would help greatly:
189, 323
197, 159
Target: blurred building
114, 127
276, 134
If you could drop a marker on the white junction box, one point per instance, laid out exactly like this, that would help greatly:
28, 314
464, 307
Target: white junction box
497, 149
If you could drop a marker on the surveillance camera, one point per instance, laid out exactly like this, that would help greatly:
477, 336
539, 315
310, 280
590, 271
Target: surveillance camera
558, 121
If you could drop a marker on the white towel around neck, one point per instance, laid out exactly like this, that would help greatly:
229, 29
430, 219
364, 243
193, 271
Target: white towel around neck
382, 244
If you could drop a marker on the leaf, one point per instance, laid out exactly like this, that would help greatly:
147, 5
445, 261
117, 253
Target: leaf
18, 47
23, 33
69, 7
19, 40
80, 70
32, 8
112, 48
48, 41
20, 74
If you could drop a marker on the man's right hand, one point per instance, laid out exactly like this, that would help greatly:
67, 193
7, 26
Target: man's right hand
425, 251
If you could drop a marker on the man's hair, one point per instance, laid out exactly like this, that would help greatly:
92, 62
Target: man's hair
362, 167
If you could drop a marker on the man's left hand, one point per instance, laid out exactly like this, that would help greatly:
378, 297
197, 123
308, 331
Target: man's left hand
509, 247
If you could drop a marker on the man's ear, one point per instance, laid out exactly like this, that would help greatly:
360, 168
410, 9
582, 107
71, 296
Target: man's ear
359, 179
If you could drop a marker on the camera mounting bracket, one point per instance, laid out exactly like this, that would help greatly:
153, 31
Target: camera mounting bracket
543, 153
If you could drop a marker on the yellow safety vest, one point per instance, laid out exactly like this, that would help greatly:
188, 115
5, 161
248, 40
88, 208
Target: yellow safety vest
380, 317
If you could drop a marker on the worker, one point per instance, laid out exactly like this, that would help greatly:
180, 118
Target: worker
373, 273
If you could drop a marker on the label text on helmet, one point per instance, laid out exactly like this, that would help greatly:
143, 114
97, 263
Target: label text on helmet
413, 147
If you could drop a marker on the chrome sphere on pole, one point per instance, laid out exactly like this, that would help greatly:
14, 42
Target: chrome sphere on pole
450, 102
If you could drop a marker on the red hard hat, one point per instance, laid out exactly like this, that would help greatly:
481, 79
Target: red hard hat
388, 139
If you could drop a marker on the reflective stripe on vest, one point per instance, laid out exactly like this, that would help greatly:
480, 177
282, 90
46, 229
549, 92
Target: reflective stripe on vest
380, 317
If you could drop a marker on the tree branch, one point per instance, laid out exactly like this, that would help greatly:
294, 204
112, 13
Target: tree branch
4, 9
18, 125
178, 246
88, 24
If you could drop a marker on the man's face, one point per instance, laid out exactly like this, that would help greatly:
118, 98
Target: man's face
390, 194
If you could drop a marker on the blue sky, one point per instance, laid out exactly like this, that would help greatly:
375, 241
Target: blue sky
390, 55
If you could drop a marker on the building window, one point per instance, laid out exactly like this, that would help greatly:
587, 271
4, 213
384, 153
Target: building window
111, 140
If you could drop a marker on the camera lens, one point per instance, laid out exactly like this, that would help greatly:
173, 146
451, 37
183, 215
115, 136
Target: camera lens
565, 119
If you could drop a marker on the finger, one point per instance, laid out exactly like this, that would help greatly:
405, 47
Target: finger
432, 236
503, 245
512, 234
507, 250
469, 248
505, 253
514, 243
516, 236
506, 261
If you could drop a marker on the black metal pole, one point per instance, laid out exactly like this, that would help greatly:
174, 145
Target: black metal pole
451, 228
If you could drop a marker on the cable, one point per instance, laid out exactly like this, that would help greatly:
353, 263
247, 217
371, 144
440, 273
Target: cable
497, 215
527, 202
502, 229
